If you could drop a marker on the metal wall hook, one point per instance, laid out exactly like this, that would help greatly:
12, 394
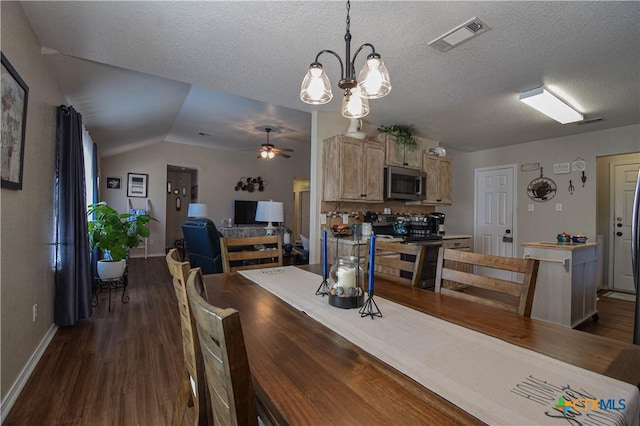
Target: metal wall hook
583, 178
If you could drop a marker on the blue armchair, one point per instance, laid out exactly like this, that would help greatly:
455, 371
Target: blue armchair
203, 245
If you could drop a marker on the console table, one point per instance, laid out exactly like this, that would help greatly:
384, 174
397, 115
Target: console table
248, 231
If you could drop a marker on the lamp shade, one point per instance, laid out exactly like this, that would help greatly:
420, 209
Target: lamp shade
197, 210
270, 211
373, 79
316, 89
354, 105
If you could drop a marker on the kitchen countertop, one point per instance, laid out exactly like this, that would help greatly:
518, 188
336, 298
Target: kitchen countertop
455, 236
559, 246
352, 240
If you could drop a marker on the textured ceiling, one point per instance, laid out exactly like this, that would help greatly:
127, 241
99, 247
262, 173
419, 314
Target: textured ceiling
143, 72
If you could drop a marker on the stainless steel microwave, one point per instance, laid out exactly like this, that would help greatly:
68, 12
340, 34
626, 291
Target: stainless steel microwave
404, 184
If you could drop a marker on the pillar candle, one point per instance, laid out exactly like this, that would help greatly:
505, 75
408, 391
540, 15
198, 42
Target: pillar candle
324, 253
372, 252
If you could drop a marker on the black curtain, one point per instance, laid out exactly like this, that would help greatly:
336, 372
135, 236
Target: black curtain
73, 266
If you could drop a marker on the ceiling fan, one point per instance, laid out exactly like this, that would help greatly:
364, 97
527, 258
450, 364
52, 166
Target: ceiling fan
268, 150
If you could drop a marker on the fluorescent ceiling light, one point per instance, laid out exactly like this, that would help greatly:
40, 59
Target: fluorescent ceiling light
549, 105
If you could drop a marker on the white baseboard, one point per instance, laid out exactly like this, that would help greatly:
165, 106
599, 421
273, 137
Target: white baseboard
16, 388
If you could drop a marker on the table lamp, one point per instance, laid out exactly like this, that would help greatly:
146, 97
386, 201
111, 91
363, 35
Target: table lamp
270, 211
197, 210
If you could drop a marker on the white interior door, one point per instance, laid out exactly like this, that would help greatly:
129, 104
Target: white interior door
494, 205
624, 178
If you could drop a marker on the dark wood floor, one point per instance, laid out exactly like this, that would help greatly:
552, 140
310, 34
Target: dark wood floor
121, 367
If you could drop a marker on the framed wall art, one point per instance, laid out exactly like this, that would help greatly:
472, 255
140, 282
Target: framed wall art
137, 185
15, 94
113, 182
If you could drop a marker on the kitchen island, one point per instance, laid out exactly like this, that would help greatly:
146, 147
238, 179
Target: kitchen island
566, 290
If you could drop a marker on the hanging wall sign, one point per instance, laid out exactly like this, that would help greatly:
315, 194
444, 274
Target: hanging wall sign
541, 189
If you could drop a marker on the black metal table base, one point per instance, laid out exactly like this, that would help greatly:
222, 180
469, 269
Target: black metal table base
112, 284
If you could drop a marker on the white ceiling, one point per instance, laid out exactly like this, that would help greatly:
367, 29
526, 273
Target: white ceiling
143, 72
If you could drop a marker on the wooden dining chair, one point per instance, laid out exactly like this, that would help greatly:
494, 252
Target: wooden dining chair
192, 389
401, 263
251, 253
228, 376
462, 269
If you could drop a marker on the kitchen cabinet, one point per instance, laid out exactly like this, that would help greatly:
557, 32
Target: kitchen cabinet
566, 292
438, 170
353, 170
401, 155
458, 242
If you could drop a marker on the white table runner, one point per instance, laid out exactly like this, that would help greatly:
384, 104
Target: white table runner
497, 382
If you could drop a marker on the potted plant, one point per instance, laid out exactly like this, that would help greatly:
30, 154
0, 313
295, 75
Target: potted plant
402, 134
115, 233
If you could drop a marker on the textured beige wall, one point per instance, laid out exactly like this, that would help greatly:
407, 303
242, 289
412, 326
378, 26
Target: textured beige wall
579, 209
26, 215
218, 173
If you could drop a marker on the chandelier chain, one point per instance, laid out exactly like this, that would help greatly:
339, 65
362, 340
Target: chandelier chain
348, 17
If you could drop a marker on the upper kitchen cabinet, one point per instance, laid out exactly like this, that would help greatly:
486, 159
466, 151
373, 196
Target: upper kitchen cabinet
401, 155
353, 170
438, 170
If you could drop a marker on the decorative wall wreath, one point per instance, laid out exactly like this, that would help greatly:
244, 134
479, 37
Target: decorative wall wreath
251, 184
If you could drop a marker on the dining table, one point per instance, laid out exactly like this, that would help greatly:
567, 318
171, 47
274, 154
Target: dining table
305, 372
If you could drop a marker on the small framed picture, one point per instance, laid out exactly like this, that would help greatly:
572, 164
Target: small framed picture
137, 185
113, 182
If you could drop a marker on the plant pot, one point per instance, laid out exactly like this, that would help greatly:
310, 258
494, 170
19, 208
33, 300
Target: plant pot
111, 269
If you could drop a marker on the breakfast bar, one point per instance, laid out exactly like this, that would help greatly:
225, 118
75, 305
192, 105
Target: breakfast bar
566, 292
310, 370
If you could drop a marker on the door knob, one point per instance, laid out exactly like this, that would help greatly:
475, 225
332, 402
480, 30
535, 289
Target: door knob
508, 231
619, 234
619, 219
619, 225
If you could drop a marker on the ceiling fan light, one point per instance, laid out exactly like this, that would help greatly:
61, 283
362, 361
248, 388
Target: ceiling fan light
263, 154
374, 80
354, 105
271, 155
316, 88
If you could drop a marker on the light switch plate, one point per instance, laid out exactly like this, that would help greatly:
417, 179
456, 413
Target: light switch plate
531, 208
558, 207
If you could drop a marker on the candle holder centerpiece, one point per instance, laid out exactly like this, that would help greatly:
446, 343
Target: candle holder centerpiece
346, 279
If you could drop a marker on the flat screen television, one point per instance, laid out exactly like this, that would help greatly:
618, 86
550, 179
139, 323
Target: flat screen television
244, 212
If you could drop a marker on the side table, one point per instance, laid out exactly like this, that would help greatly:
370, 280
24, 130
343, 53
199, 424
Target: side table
112, 283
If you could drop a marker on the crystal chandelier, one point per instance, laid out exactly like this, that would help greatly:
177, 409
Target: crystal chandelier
372, 83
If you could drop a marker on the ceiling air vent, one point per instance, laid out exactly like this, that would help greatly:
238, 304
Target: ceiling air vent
459, 35
590, 121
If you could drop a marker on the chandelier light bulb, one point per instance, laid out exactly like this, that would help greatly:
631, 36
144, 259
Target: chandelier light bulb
316, 88
374, 78
354, 105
